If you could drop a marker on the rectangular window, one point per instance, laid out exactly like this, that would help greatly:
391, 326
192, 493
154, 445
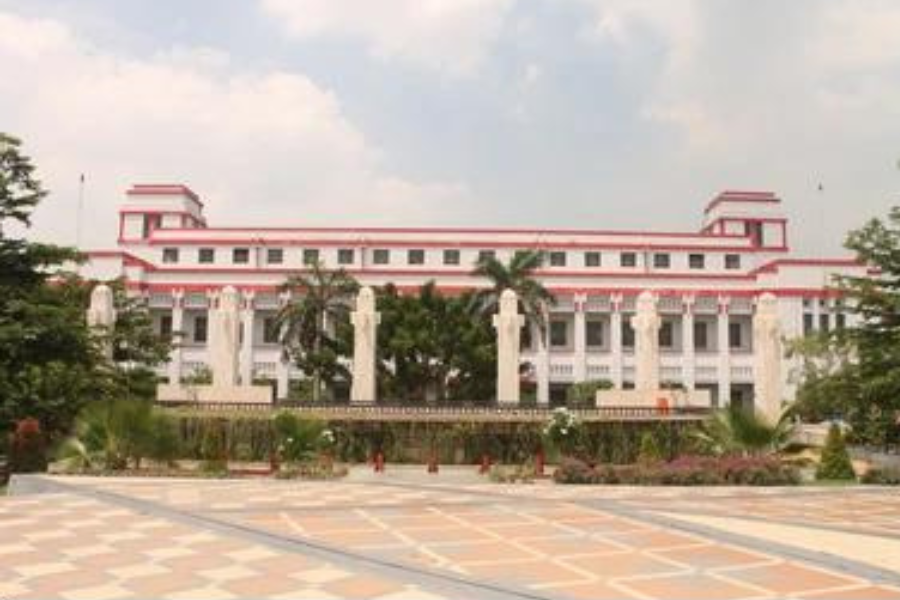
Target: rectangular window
594, 333
270, 330
240, 256
732, 261
451, 257
628, 259
627, 333
345, 256
559, 334
734, 335
485, 255
697, 261
666, 335
661, 261
525, 338
275, 256
200, 329
206, 256
807, 323
415, 257
557, 259
701, 339
310, 256
840, 321
824, 323
592, 259
381, 256
170, 255
165, 325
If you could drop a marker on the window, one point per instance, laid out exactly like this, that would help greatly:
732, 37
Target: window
559, 334
170, 255
701, 339
697, 261
415, 257
732, 261
484, 255
275, 256
240, 256
734, 335
310, 256
627, 334
840, 321
451, 257
345, 256
628, 259
557, 259
381, 256
525, 338
592, 259
661, 261
206, 256
594, 333
807, 323
200, 329
270, 330
165, 325
824, 324
666, 335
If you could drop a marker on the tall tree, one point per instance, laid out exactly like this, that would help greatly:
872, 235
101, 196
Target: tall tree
314, 323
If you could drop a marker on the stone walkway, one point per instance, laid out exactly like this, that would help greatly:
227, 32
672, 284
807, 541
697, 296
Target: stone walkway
442, 537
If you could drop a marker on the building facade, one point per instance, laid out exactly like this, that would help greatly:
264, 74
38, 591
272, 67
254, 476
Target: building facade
706, 283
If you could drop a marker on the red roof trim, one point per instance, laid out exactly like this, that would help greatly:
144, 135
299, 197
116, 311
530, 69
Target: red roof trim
773, 265
156, 189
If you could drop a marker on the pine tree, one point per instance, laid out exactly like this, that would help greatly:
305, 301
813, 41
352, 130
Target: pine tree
835, 464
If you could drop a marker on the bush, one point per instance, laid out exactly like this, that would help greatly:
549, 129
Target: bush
584, 394
649, 452
26, 449
835, 464
515, 474
692, 470
298, 439
882, 476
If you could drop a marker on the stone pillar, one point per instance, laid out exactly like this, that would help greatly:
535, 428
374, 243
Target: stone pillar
365, 330
688, 360
615, 341
508, 323
579, 367
248, 322
543, 363
282, 367
646, 324
176, 357
101, 315
767, 356
724, 353
223, 338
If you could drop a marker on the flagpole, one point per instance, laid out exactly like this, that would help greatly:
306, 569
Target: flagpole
80, 209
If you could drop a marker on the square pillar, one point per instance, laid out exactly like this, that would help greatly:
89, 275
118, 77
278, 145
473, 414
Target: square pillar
615, 341
579, 368
724, 354
542, 368
176, 356
688, 358
247, 322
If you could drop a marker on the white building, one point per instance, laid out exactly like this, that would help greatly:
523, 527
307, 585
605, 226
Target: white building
706, 282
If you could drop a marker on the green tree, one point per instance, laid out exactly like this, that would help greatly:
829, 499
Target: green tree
315, 327
734, 430
834, 464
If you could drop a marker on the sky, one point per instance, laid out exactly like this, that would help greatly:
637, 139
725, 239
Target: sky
603, 114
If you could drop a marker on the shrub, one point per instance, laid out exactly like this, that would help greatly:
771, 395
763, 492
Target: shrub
27, 450
649, 452
835, 464
563, 431
882, 476
298, 439
511, 474
584, 394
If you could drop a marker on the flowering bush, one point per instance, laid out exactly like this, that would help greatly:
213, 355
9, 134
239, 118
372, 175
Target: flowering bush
26, 448
563, 431
688, 470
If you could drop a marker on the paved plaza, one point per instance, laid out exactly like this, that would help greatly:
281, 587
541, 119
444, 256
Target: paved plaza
443, 537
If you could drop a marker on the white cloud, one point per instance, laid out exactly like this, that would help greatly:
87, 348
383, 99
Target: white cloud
268, 147
452, 36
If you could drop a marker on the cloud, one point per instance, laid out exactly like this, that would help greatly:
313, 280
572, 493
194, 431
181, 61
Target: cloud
262, 147
451, 36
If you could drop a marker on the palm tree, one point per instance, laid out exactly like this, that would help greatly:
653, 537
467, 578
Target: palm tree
734, 430
517, 276
322, 298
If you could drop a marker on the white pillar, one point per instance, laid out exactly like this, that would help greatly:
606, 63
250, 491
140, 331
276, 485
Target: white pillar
248, 321
282, 367
615, 341
724, 353
508, 323
224, 331
646, 324
543, 363
688, 358
365, 330
101, 315
767, 355
579, 367
176, 356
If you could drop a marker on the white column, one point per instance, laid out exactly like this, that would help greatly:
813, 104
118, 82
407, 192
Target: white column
248, 321
101, 316
724, 353
646, 324
767, 356
688, 358
223, 338
365, 321
176, 357
282, 367
543, 364
579, 367
508, 323
615, 341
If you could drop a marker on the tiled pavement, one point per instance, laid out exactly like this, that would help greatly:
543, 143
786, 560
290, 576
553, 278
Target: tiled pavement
116, 538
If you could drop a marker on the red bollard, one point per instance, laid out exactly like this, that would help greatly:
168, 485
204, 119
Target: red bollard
379, 462
485, 464
433, 463
539, 463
